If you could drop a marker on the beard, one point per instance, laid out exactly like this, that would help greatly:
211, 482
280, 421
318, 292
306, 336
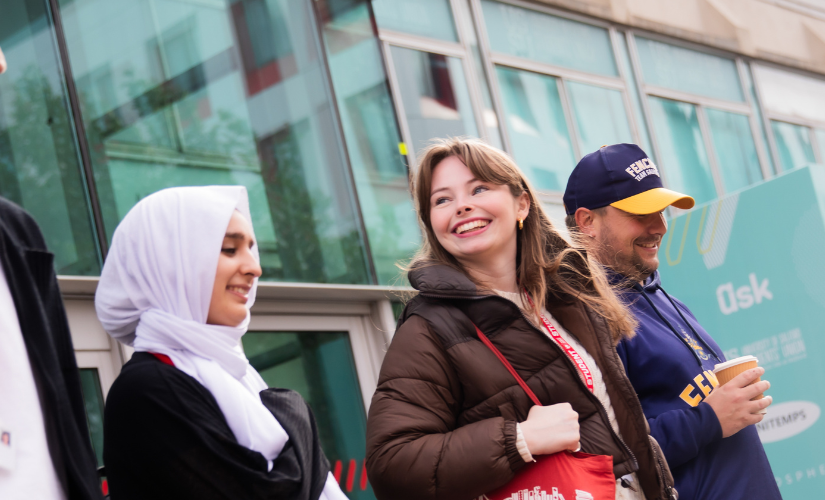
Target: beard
626, 262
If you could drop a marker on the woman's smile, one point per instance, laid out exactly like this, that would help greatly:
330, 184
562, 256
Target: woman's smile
471, 227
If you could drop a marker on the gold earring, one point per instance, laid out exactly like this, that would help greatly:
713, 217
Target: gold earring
521, 223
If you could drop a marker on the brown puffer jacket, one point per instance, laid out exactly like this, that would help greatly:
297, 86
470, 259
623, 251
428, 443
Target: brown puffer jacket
442, 424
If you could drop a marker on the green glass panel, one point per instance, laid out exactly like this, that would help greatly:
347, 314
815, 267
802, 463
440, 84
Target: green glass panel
757, 111
794, 145
635, 99
320, 366
39, 164
684, 158
479, 74
434, 95
430, 18
600, 116
820, 141
537, 127
225, 92
93, 402
735, 151
678, 68
548, 39
372, 137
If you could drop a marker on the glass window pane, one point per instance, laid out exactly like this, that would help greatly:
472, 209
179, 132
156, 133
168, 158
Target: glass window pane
93, 400
39, 164
434, 94
537, 127
820, 141
372, 137
635, 99
757, 111
430, 18
791, 94
735, 152
194, 93
690, 71
320, 366
794, 145
479, 74
600, 116
548, 39
684, 158
371, 133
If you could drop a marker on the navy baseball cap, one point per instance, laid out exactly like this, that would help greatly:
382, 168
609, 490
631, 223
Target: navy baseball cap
623, 177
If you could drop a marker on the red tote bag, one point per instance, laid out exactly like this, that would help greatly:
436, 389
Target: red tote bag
560, 476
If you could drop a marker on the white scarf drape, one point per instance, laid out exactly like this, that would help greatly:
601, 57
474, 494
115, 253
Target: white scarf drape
154, 294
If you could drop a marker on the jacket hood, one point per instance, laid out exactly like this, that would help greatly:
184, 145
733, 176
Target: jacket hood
439, 280
650, 285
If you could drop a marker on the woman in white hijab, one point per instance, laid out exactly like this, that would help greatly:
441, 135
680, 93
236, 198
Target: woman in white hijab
187, 418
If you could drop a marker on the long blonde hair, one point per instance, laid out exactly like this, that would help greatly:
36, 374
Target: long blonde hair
546, 262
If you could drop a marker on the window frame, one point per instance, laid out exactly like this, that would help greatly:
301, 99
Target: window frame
460, 50
746, 108
770, 116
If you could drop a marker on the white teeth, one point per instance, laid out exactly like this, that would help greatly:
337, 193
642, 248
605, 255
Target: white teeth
238, 289
471, 225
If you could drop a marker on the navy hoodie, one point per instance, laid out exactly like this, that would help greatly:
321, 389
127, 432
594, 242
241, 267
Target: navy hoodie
670, 364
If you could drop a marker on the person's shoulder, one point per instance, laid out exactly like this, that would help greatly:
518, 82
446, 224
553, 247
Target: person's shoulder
20, 224
145, 377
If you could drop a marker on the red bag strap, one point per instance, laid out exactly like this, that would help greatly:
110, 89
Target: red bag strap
507, 365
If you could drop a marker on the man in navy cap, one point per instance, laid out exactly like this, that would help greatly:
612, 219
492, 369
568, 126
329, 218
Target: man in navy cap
615, 204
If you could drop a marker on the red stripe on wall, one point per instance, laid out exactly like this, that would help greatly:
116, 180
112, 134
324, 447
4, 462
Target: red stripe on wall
364, 476
337, 471
351, 474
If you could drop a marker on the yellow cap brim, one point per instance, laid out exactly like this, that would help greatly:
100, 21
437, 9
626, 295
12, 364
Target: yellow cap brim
654, 200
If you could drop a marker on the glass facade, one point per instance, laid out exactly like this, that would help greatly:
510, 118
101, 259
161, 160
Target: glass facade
794, 145
681, 145
687, 70
93, 401
40, 167
434, 95
537, 126
320, 366
220, 93
320, 107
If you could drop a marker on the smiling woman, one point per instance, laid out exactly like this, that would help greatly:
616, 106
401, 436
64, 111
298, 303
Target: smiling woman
447, 419
188, 416
238, 268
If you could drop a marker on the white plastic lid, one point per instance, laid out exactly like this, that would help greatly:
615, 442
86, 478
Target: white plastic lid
734, 362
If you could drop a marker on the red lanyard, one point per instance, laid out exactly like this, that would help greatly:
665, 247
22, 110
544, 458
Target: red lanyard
577, 359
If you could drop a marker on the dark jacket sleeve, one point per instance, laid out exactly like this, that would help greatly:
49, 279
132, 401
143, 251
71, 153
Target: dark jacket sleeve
165, 437
415, 449
29, 269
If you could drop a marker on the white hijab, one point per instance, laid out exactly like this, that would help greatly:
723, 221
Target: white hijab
155, 291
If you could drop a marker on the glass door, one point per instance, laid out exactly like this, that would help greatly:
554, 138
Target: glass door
329, 362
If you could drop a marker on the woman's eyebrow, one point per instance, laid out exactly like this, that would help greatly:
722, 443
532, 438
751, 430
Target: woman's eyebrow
235, 236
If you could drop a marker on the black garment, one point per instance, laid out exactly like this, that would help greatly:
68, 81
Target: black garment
166, 437
29, 271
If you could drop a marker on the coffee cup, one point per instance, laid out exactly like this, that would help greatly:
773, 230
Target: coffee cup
725, 372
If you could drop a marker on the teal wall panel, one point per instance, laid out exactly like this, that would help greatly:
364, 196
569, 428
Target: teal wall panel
750, 267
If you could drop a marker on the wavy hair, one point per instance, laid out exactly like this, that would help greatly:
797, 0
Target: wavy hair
547, 265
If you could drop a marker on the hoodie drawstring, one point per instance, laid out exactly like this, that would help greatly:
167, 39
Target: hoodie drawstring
675, 332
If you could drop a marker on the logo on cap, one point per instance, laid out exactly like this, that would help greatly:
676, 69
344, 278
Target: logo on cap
642, 168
